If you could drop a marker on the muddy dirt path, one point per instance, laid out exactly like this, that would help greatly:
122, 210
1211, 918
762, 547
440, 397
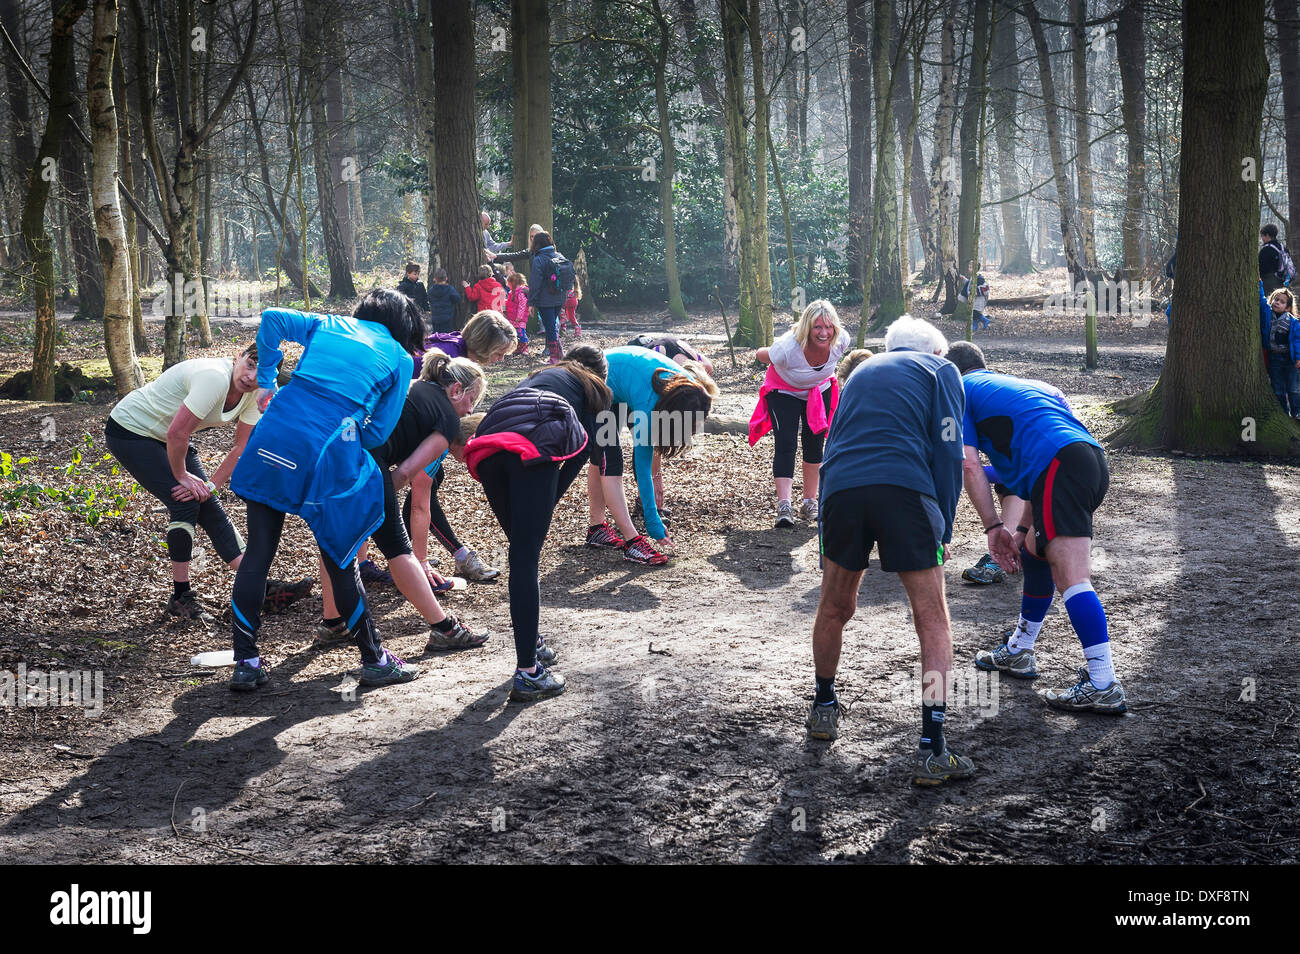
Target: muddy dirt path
681, 737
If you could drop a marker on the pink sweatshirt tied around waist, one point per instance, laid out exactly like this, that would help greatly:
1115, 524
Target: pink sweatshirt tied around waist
819, 410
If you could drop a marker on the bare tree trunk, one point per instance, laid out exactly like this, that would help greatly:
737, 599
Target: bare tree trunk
530, 29
428, 139
114, 253
859, 145
455, 127
943, 166
733, 14
21, 128
758, 225
81, 226
1213, 396
1064, 198
1131, 54
1083, 132
1004, 92
972, 123
888, 280
915, 183
63, 101
676, 306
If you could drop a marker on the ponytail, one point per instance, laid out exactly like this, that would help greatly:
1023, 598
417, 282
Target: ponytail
446, 371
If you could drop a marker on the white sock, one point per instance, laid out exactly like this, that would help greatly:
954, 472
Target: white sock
810, 500
460, 555
1024, 636
1100, 668
254, 661
782, 500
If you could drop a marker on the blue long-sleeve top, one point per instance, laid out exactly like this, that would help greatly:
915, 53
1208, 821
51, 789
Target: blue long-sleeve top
631, 378
1266, 326
357, 360
899, 423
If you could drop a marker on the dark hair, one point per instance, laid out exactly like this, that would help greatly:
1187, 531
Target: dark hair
540, 241
587, 363
1270, 230
250, 351
412, 267
397, 313
681, 399
440, 275
967, 356
592, 357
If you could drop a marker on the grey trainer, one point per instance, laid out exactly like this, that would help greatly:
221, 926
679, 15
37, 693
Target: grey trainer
808, 510
934, 769
784, 514
1083, 696
1021, 665
824, 722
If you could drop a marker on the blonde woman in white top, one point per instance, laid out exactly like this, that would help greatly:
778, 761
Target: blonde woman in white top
804, 359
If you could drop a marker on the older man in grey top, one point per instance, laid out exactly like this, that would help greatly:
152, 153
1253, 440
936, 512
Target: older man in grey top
891, 478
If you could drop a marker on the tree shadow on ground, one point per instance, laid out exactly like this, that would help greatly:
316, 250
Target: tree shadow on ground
762, 559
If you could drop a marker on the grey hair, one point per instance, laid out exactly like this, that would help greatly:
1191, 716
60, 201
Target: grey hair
916, 334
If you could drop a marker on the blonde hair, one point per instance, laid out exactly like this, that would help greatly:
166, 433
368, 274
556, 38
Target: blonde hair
849, 363
469, 427
701, 377
486, 333
446, 371
819, 308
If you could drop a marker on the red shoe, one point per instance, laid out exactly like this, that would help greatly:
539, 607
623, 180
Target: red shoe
640, 550
604, 536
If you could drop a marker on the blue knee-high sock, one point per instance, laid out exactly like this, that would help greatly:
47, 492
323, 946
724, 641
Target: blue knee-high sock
1088, 618
1035, 600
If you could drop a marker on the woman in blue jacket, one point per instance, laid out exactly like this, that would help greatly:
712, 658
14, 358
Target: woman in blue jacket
1280, 331
542, 296
308, 456
663, 404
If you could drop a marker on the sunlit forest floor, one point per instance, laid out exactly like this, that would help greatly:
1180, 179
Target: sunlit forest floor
681, 736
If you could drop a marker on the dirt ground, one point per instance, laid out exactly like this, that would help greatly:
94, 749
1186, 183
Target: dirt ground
681, 736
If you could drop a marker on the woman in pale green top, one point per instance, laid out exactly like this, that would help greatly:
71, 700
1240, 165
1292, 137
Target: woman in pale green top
149, 432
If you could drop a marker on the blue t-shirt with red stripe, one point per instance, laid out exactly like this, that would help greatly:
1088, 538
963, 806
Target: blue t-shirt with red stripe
1020, 424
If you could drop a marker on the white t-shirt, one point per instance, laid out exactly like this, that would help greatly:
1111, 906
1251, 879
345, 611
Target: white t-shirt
201, 384
790, 362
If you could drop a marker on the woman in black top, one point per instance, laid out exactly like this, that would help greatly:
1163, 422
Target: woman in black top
429, 424
523, 491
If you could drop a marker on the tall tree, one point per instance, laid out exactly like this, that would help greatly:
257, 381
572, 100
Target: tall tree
530, 62
1004, 95
888, 281
1213, 396
21, 125
1130, 51
859, 143
1288, 45
63, 100
734, 35
972, 142
455, 126
908, 115
1083, 131
114, 253
74, 194
178, 172
943, 167
428, 136
762, 131
327, 193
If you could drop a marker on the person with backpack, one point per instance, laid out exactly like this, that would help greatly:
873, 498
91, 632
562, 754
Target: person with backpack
1280, 331
1275, 266
976, 291
550, 277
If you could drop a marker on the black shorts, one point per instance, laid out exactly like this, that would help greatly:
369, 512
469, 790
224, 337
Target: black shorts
609, 458
905, 524
1066, 494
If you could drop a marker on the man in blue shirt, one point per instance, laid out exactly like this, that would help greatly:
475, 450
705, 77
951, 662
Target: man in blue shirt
890, 477
1045, 456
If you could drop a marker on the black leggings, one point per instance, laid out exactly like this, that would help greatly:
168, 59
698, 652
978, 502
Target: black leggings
264, 527
437, 519
145, 459
790, 416
523, 499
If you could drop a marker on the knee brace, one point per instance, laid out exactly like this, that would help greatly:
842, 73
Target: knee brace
180, 541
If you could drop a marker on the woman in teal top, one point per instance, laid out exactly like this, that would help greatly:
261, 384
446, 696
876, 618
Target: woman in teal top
663, 404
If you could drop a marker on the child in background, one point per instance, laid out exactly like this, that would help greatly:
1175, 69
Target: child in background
571, 307
413, 288
976, 291
486, 294
442, 303
517, 309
